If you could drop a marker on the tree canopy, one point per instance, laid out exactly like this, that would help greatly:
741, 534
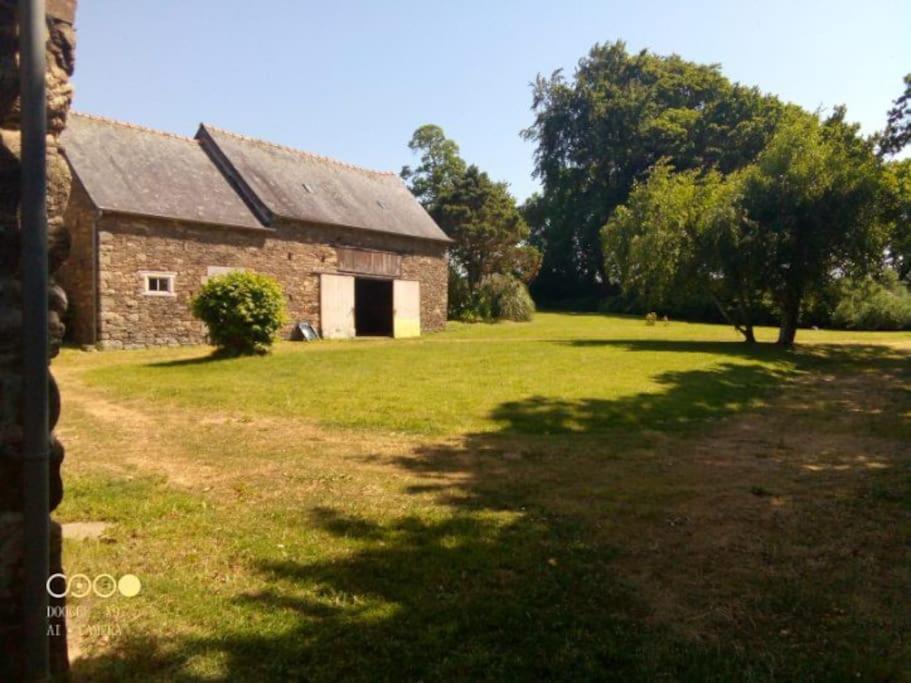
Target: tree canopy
684, 235
897, 211
481, 216
662, 178
601, 131
814, 192
898, 122
806, 211
440, 165
489, 232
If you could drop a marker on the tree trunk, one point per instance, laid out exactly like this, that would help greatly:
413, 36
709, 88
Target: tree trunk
790, 313
746, 328
746, 316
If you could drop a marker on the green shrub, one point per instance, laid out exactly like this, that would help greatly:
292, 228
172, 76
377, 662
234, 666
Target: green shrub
504, 297
873, 304
243, 311
497, 297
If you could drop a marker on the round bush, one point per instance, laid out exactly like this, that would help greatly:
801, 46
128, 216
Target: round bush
504, 297
243, 311
874, 304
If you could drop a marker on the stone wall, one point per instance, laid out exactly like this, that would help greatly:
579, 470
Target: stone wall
294, 254
60, 52
78, 275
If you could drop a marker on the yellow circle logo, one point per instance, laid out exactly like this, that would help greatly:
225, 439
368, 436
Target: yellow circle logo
129, 585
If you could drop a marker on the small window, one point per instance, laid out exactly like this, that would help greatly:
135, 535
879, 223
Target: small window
308, 187
159, 284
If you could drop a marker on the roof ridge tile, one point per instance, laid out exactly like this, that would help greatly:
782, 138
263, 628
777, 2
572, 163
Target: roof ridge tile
134, 126
294, 150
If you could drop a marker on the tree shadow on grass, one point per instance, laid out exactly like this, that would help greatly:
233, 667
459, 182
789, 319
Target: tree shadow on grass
525, 574
213, 357
462, 598
801, 354
692, 397
682, 399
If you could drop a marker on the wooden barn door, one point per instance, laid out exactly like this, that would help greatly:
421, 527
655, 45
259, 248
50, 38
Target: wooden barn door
406, 305
336, 306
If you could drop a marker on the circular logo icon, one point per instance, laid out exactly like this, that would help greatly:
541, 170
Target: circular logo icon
80, 585
104, 585
129, 585
62, 585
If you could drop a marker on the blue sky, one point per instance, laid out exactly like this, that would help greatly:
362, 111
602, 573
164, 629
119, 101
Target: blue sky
352, 80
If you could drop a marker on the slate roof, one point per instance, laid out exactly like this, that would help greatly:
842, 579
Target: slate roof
222, 178
129, 169
288, 183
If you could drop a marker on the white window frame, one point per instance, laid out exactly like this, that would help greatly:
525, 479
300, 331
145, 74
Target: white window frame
148, 275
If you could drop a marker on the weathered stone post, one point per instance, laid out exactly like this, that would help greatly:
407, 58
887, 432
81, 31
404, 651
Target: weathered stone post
60, 61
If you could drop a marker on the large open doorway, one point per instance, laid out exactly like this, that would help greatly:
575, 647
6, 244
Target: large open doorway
373, 307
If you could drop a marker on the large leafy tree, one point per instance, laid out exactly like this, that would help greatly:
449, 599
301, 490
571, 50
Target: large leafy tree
814, 193
897, 181
897, 211
480, 215
684, 235
651, 243
599, 132
898, 123
488, 229
440, 165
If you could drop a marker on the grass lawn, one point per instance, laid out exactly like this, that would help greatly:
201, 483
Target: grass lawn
581, 497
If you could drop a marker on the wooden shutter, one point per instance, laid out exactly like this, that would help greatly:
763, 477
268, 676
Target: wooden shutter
406, 304
336, 301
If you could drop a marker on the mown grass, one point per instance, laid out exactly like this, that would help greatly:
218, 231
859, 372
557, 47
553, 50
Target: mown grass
582, 497
455, 382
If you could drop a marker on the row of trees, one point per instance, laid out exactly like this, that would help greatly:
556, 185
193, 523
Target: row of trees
664, 180
481, 216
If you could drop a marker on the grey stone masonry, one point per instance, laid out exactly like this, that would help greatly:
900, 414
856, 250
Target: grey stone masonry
111, 255
60, 62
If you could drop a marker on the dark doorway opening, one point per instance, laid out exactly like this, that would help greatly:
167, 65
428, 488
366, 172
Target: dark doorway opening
372, 307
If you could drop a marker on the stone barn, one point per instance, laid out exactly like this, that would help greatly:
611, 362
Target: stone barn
152, 215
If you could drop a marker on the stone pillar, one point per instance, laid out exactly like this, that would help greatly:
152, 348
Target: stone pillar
60, 56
